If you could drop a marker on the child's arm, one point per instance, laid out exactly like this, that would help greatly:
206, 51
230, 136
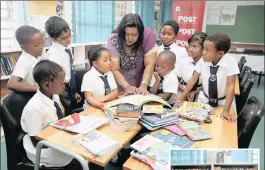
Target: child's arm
193, 93
154, 88
230, 90
93, 101
165, 96
113, 95
15, 83
189, 86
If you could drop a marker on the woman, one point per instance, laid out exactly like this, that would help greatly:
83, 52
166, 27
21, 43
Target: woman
133, 49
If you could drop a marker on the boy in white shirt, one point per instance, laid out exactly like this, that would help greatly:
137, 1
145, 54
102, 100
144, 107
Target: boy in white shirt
60, 33
42, 109
218, 71
168, 36
98, 83
31, 42
164, 82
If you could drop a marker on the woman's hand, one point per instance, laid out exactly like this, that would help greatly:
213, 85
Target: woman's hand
142, 90
130, 90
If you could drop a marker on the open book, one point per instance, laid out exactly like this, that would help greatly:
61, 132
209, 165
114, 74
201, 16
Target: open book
137, 100
96, 143
78, 123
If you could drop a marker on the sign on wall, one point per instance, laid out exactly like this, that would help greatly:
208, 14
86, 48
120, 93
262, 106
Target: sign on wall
189, 15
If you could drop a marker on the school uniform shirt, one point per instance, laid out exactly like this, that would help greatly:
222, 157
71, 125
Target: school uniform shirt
24, 68
170, 85
36, 116
179, 51
57, 54
93, 83
185, 71
227, 67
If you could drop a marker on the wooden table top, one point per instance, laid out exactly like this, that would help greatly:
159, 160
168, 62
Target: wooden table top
224, 135
64, 138
237, 89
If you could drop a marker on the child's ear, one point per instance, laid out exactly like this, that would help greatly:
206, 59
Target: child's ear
46, 85
220, 53
94, 63
23, 47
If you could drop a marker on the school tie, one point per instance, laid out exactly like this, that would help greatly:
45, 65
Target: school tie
212, 90
72, 80
106, 84
166, 48
58, 110
160, 87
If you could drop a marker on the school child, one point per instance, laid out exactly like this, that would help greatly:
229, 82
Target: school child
98, 83
217, 71
31, 43
168, 36
186, 66
43, 108
164, 82
60, 33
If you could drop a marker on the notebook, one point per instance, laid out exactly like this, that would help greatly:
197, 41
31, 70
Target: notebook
175, 129
152, 108
175, 140
97, 143
78, 123
154, 120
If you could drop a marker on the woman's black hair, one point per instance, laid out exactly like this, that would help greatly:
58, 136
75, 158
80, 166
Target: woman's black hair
198, 36
94, 53
130, 20
45, 70
173, 24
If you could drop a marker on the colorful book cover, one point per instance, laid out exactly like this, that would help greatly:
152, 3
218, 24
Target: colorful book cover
97, 143
78, 123
175, 140
154, 148
152, 119
149, 127
166, 113
128, 110
153, 108
175, 129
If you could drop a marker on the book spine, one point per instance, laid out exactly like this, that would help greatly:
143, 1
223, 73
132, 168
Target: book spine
4, 66
9, 71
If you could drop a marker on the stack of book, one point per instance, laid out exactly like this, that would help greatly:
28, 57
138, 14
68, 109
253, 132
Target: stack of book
158, 120
127, 112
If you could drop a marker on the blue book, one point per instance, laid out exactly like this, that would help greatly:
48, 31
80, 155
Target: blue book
154, 120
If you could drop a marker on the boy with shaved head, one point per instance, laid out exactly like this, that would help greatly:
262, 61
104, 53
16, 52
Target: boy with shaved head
164, 82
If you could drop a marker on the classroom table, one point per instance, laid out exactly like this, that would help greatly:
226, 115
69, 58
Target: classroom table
224, 135
237, 89
64, 138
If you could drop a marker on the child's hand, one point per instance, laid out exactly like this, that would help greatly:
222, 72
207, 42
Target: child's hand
78, 98
157, 77
177, 102
191, 96
102, 107
229, 117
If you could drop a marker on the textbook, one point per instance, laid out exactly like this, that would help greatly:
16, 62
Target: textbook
175, 129
152, 108
127, 110
154, 148
96, 143
175, 140
196, 106
149, 161
166, 113
194, 131
154, 120
78, 123
137, 100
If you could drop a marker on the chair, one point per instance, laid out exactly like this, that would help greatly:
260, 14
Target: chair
248, 120
241, 63
245, 70
245, 87
10, 115
79, 74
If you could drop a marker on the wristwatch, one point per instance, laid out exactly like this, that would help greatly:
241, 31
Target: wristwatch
143, 82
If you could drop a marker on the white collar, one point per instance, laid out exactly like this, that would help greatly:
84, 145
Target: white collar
222, 62
173, 45
190, 59
45, 99
24, 53
95, 71
168, 74
59, 46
